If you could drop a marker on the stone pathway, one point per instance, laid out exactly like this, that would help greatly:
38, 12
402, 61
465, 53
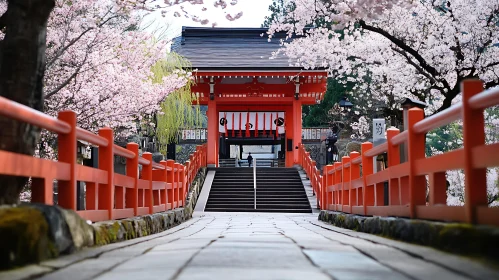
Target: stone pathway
259, 246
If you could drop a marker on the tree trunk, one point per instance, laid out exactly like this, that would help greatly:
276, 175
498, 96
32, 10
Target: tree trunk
22, 68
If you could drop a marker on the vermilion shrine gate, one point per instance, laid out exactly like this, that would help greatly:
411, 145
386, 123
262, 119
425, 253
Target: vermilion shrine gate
251, 98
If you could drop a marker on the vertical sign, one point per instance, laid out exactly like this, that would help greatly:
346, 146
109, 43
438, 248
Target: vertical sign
378, 130
378, 137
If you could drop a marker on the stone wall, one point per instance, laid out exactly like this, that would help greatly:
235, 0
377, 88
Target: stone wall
317, 153
183, 152
31, 233
458, 238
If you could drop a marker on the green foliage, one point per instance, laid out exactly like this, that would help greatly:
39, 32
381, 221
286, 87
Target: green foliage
278, 9
177, 111
443, 139
26, 236
450, 137
318, 115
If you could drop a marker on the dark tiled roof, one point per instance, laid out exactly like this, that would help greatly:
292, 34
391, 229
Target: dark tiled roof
230, 48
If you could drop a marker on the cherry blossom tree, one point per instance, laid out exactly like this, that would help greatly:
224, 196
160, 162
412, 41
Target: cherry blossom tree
101, 67
397, 49
87, 52
22, 67
423, 50
96, 62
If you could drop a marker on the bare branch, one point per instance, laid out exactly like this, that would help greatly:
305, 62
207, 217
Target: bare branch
72, 42
399, 43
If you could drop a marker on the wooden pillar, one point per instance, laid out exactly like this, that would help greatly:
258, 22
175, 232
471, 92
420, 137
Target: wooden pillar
212, 134
475, 179
297, 127
289, 126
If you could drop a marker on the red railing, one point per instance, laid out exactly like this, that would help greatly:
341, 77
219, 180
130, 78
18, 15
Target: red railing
351, 186
109, 195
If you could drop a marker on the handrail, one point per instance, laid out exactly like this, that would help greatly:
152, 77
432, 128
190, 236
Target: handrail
88, 136
157, 166
443, 118
157, 187
377, 150
485, 99
120, 151
25, 114
254, 179
352, 186
357, 160
400, 138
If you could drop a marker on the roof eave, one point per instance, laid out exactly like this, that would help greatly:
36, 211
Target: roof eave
257, 69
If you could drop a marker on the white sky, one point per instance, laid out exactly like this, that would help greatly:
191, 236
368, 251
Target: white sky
254, 12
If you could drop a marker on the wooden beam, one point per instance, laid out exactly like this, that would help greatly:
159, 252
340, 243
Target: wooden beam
303, 73
259, 88
257, 101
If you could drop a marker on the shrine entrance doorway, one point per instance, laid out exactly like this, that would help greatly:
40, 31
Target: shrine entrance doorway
251, 99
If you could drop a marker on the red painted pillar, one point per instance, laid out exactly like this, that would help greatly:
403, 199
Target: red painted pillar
475, 191
106, 163
67, 154
212, 140
132, 170
394, 192
297, 127
416, 151
367, 169
289, 126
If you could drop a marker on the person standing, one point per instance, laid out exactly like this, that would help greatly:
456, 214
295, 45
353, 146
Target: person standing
250, 159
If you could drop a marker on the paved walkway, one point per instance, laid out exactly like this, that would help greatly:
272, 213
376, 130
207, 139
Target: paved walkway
262, 246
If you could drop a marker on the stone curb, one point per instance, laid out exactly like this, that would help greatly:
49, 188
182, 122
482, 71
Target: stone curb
463, 239
33, 232
126, 229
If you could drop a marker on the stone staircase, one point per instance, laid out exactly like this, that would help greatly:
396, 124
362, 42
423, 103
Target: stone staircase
278, 190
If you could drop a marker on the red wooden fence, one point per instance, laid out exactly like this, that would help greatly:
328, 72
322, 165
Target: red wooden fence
109, 195
350, 186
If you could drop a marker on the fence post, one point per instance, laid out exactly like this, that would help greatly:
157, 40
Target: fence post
132, 170
67, 153
307, 164
197, 154
147, 176
191, 159
367, 169
327, 183
393, 154
475, 190
170, 181
415, 151
301, 155
337, 182
178, 184
345, 193
313, 177
165, 179
106, 163
188, 176
354, 175
182, 184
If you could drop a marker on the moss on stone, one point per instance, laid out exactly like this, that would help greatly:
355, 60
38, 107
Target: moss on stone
478, 242
107, 233
126, 229
473, 241
101, 236
129, 230
25, 235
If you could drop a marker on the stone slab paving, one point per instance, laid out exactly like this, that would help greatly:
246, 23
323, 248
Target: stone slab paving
260, 246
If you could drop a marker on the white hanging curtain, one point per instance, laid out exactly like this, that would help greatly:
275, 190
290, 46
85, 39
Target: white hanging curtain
234, 124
